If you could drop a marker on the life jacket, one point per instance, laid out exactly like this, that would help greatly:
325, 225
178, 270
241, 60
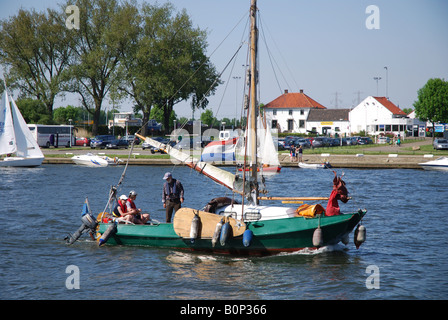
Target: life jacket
173, 188
123, 209
133, 206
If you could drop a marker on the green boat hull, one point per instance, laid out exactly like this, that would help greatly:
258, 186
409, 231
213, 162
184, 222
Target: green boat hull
269, 236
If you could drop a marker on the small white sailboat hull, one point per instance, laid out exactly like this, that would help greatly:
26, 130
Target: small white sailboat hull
21, 162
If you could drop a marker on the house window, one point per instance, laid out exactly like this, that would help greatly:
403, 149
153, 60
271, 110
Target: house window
301, 123
290, 124
302, 112
290, 112
274, 112
395, 127
274, 124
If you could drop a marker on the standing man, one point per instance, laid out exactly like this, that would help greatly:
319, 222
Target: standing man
172, 195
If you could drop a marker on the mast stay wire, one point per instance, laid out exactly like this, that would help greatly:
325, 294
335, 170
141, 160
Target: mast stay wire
264, 37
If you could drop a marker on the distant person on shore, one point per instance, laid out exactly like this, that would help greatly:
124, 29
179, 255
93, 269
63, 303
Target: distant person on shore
292, 150
172, 195
131, 209
300, 152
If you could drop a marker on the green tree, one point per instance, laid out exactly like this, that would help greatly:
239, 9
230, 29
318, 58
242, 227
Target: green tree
166, 63
34, 52
432, 103
97, 49
63, 115
34, 111
208, 118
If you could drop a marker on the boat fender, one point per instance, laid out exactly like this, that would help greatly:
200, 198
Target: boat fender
247, 237
217, 232
360, 235
88, 223
225, 231
345, 238
194, 229
317, 237
110, 231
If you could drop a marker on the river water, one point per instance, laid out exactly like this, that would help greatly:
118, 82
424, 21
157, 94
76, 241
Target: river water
404, 256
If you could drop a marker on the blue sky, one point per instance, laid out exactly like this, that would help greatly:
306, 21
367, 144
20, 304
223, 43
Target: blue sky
322, 47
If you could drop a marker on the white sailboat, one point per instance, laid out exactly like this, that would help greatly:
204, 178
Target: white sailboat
16, 141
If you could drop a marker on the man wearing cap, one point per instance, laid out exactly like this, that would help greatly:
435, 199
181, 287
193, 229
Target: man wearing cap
172, 195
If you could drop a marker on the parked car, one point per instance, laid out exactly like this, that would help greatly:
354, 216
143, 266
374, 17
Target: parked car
281, 144
352, 141
118, 144
131, 137
382, 140
101, 141
302, 142
320, 142
365, 140
82, 142
440, 144
146, 145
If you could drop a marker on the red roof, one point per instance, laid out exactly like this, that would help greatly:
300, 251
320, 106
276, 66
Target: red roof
390, 106
294, 100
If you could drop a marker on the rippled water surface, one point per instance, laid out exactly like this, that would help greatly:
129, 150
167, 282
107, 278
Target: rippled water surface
407, 239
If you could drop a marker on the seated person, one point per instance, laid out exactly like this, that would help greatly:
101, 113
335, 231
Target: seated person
139, 218
120, 210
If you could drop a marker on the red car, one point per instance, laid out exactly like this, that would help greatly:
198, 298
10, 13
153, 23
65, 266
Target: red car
82, 142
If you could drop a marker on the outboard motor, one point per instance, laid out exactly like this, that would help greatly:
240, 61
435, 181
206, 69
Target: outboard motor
89, 223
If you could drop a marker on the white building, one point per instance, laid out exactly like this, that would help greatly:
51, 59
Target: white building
418, 128
289, 112
377, 115
329, 122
124, 119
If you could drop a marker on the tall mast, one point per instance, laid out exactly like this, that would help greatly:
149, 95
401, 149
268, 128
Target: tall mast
253, 94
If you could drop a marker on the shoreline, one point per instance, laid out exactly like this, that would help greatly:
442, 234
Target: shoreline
389, 157
359, 161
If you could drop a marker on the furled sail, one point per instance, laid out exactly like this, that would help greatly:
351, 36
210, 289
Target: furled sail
218, 175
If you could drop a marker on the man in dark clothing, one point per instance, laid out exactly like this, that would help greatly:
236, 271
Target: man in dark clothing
172, 195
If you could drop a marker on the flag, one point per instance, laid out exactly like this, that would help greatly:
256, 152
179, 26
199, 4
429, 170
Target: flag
219, 151
85, 208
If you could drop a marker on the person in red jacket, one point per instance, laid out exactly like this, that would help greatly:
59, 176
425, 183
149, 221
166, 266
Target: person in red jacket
131, 209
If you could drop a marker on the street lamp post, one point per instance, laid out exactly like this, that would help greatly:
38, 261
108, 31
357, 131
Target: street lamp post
387, 82
377, 79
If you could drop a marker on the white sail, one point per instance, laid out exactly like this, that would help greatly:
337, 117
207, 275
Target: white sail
270, 152
7, 136
218, 175
27, 146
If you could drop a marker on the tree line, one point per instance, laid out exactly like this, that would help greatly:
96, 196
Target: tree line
149, 53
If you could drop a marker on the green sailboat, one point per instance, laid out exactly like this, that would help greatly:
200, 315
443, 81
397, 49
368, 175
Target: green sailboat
249, 228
